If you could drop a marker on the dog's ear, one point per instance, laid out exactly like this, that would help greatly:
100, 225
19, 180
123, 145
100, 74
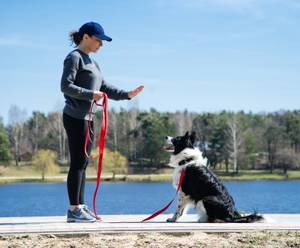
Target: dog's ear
186, 134
193, 137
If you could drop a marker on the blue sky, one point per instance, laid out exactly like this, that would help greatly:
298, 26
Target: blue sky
199, 55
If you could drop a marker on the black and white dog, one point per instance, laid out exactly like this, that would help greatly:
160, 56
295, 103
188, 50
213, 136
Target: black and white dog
200, 186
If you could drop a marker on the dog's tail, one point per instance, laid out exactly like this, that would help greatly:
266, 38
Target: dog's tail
248, 218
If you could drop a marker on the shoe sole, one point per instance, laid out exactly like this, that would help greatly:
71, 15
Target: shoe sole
80, 221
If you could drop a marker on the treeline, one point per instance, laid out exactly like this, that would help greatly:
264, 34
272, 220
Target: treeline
231, 141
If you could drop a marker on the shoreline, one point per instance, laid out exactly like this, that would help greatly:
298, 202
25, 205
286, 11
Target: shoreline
110, 177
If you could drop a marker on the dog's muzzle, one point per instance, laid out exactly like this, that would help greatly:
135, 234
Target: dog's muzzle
169, 147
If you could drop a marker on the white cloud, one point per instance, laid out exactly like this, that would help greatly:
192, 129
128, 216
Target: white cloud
130, 81
236, 3
258, 9
19, 42
140, 48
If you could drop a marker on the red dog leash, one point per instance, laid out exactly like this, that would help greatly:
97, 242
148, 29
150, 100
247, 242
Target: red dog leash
101, 143
168, 205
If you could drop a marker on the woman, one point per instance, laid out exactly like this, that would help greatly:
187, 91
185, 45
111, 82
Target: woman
82, 83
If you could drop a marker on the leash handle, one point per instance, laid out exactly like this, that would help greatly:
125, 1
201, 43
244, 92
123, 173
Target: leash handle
168, 205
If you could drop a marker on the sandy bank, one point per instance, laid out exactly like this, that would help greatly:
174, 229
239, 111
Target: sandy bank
156, 240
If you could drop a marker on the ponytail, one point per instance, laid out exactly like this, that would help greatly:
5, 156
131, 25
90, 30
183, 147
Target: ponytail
75, 37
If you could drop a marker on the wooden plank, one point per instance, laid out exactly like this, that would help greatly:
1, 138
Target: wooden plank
132, 223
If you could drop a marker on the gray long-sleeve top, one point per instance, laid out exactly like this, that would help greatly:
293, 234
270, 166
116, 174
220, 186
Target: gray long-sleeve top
81, 77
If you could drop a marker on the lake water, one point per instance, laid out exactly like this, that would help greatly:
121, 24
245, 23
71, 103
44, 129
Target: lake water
45, 199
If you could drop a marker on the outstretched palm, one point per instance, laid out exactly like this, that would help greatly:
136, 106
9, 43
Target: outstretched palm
136, 91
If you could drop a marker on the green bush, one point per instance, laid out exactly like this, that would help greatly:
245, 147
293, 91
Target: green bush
44, 161
112, 161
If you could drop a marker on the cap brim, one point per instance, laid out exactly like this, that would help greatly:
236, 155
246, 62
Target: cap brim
103, 37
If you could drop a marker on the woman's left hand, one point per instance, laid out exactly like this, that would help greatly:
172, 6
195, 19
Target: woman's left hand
135, 92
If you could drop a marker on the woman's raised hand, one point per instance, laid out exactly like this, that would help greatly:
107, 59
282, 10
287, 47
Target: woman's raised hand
135, 92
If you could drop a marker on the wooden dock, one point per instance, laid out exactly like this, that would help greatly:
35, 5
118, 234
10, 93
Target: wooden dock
132, 223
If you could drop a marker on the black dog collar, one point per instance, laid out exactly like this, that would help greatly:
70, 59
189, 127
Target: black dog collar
182, 162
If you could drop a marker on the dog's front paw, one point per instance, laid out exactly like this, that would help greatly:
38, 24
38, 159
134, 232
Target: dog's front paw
171, 220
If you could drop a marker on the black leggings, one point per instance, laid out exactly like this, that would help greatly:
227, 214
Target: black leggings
76, 131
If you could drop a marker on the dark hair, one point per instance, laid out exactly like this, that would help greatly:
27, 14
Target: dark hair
75, 37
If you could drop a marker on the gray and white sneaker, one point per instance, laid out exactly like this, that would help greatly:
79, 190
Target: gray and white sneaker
90, 213
79, 215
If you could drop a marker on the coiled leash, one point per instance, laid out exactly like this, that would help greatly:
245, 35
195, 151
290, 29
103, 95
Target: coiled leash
168, 205
101, 143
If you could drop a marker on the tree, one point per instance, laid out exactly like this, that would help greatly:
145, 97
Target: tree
122, 132
153, 127
291, 123
217, 145
235, 140
132, 134
286, 159
5, 154
39, 130
252, 139
250, 149
112, 134
273, 137
44, 161
55, 135
203, 125
183, 121
17, 118
120, 125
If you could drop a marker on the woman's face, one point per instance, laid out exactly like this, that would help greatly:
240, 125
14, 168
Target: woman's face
92, 43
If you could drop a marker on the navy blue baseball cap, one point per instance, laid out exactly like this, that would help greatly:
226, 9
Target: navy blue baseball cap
93, 28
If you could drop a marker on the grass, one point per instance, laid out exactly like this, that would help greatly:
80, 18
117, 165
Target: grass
259, 175
27, 172
18, 171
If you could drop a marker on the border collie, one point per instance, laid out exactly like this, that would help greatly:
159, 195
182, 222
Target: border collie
200, 186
